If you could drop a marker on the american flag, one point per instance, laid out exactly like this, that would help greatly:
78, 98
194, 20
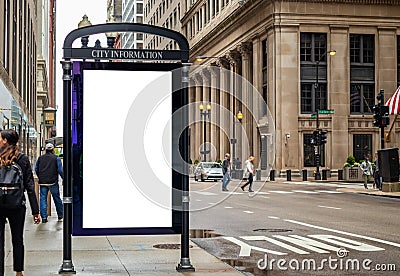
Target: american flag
394, 102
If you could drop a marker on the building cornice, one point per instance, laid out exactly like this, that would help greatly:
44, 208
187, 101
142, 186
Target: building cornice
359, 2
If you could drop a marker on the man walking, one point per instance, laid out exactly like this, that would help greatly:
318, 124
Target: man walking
366, 168
48, 167
226, 170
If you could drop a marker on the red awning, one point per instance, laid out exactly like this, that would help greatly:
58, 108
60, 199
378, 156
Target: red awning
394, 102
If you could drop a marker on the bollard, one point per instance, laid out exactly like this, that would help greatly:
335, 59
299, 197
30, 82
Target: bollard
304, 173
340, 174
324, 174
272, 175
289, 175
258, 175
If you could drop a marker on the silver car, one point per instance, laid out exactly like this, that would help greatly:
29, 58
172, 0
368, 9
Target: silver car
208, 171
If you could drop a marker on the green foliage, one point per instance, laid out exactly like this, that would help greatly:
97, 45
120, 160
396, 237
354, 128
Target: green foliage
219, 161
346, 165
196, 162
351, 160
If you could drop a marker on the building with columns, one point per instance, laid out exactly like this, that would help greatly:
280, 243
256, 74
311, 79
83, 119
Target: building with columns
282, 48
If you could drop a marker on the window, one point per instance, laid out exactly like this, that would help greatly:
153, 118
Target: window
361, 98
398, 60
265, 72
6, 33
313, 68
362, 73
362, 146
139, 8
14, 43
309, 152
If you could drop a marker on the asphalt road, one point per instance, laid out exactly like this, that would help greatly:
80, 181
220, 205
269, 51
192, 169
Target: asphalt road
292, 228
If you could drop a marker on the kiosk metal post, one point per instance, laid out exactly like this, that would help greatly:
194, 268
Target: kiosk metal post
67, 266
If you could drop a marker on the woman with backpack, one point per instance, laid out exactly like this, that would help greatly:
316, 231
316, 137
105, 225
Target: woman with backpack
12, 202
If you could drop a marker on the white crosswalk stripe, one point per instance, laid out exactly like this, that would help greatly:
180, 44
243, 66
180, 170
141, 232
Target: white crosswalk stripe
329, 192
305, 192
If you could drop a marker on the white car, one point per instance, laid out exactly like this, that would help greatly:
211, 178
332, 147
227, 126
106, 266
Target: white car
208, 171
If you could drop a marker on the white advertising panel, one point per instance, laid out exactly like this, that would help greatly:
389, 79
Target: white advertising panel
111, 199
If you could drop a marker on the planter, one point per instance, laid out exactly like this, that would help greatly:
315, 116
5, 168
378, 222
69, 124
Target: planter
353, 174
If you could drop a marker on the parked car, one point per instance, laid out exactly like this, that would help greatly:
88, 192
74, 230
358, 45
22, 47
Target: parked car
208, 171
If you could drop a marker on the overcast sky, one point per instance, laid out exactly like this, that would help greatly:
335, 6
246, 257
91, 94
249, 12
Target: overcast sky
69, 13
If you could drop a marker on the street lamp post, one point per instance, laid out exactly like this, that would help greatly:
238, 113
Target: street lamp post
205, 113
317, 146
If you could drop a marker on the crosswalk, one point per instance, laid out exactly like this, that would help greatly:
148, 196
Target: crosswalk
204, 193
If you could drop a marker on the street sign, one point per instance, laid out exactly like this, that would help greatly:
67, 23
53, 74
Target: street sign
313, 116
325, 111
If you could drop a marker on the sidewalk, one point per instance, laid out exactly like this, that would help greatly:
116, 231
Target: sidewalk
107, 255
348, 187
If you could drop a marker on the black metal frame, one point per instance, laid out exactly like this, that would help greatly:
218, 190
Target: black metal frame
87, 53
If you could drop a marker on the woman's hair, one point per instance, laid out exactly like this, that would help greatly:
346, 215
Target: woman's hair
10, 151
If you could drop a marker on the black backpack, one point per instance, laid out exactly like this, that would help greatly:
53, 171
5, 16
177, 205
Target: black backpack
11, 186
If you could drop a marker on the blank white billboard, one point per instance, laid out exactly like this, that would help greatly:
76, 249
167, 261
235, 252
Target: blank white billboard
110, 198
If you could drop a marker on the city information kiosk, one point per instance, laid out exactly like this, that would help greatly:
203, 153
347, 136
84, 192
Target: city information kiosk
125, 139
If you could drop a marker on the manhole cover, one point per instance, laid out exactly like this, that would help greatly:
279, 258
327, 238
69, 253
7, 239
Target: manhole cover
276, 230
169, 246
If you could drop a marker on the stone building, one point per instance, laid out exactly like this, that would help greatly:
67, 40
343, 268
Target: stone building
282, 47
18, 70
163, 13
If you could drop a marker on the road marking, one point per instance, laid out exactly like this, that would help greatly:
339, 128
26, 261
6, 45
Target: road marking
281, 192
304, 192
265, 196
248, 212
281, 244
329, 192
328, 207
272, 217
236, 193
245, 249
198, 199
205, 193
303, 242
228, 207
343, 232
263, 193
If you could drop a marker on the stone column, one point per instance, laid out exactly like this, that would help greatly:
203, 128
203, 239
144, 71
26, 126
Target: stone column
256, 88
206, 75
235, 61
387, 69
224, 102
247, 149
339, 97
198, 137
192, 118
215, 116
287, 96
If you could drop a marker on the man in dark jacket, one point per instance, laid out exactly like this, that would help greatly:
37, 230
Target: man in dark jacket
48, 167
226, 170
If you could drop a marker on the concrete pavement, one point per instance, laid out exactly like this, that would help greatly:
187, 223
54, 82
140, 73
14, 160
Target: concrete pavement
129, 255
107, 255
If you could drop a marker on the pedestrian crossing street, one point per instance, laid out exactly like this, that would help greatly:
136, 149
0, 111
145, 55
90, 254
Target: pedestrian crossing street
269, 192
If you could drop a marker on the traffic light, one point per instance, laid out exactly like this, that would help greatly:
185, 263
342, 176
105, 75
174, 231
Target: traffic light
377, 115
385, 116
315, 138
322, 137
